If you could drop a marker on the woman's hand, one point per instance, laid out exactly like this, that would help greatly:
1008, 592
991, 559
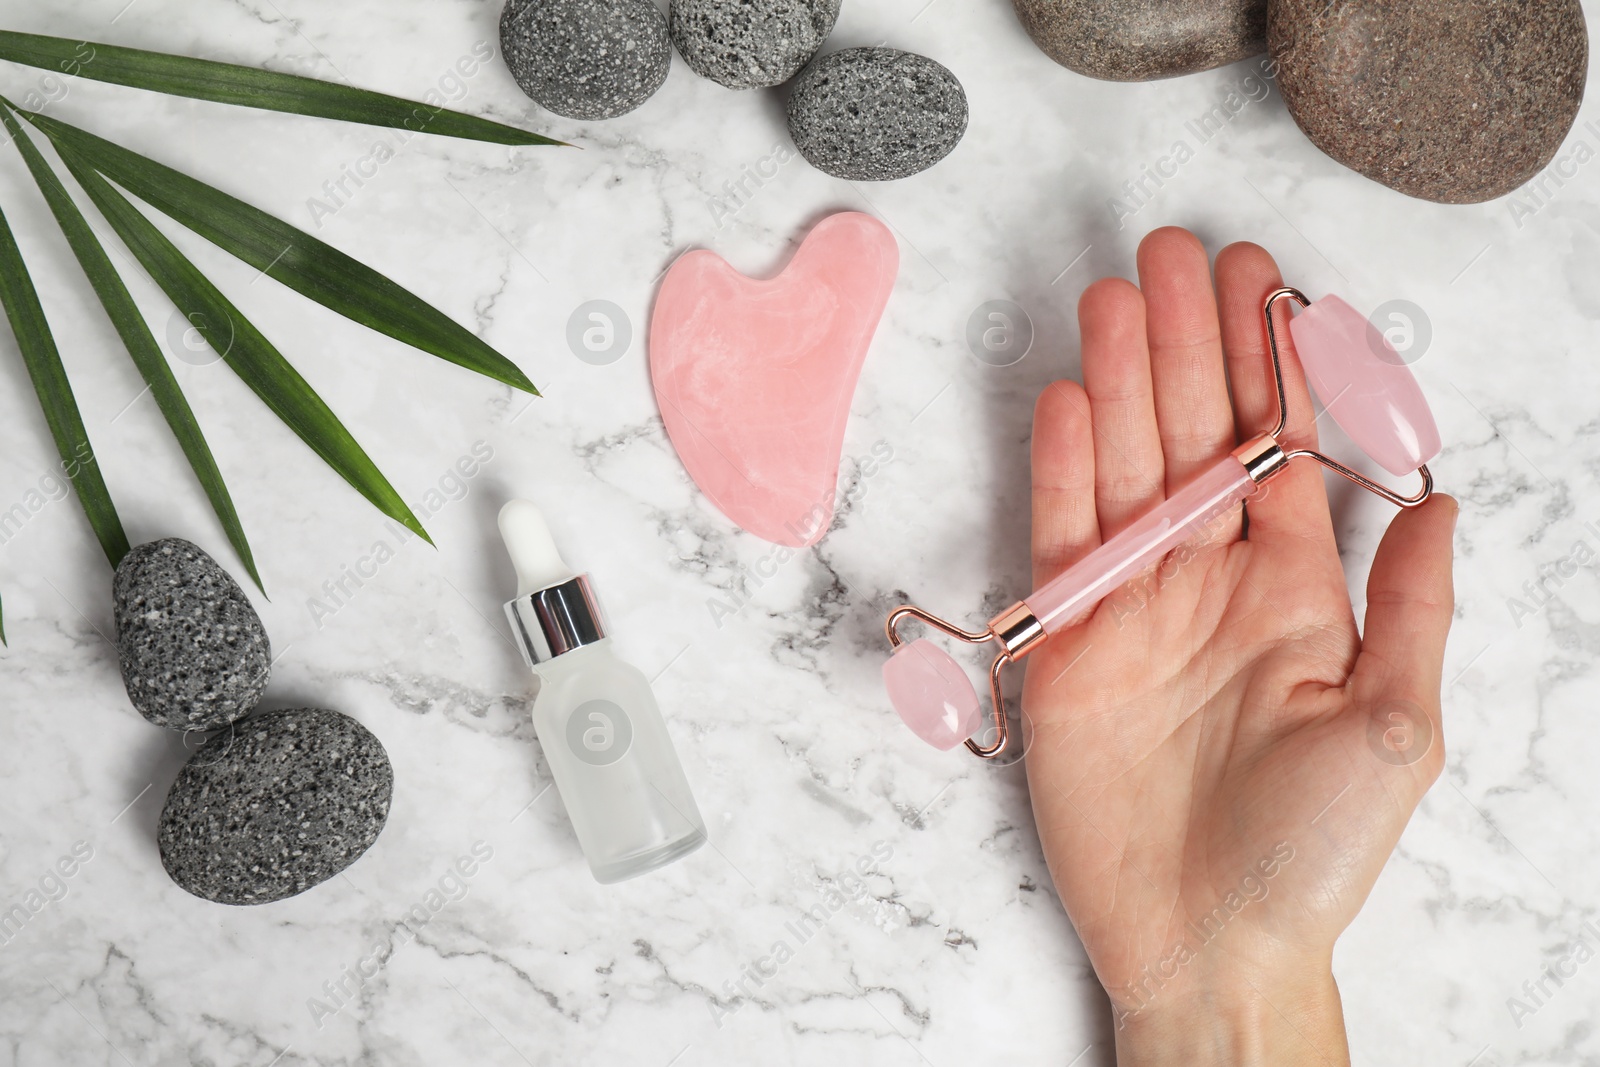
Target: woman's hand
1220, 763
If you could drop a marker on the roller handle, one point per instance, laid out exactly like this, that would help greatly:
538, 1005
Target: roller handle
1071, 595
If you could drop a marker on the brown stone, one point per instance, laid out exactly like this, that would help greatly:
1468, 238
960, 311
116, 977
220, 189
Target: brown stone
1457, 101
1142, 40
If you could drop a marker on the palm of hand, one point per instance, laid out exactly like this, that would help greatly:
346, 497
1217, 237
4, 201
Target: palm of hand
1201, 750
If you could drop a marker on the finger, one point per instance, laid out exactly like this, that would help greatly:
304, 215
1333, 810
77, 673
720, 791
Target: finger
1293, 506
1193, 412
1128, 470
1410, 603
1246, 275
1065, 527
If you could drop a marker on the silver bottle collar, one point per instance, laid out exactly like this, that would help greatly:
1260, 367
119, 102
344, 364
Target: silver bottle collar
556, 620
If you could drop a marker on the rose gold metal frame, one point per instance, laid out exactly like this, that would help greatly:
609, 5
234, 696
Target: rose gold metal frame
1290, 293
1018, 631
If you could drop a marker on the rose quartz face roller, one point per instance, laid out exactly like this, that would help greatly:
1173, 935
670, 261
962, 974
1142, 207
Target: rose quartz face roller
1362, 382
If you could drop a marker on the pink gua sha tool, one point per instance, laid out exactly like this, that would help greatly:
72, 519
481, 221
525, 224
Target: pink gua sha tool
754, 378
1365, 386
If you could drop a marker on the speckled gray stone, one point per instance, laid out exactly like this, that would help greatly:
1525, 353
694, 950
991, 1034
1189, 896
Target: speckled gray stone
273, 805
586, 59
750, 44
1443, 100
193, 651
876, 114
1142, 40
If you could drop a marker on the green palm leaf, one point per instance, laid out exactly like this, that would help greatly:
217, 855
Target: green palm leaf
229, 83
243, 347
135, 333
43, 360
293, 257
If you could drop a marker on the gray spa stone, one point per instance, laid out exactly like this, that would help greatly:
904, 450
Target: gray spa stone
273, 805
750, 44
1142, 40
1446, 101
193, 651
876, 114
586, 59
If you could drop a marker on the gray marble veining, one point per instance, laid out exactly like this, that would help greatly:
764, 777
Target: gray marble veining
953, 947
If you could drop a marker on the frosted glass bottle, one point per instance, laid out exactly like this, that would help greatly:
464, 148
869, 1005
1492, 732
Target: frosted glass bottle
598, 722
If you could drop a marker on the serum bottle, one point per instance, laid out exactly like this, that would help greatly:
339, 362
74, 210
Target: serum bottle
597, 720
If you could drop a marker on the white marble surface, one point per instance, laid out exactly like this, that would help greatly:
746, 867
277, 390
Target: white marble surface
960, 953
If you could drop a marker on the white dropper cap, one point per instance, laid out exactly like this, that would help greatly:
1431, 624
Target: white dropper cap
533, 551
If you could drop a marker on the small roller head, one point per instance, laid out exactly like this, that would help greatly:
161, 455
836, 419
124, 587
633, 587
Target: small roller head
932, 693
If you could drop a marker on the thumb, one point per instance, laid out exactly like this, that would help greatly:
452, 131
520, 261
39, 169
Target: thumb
1410, 603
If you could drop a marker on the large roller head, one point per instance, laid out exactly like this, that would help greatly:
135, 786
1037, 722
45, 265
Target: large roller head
1365, 385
